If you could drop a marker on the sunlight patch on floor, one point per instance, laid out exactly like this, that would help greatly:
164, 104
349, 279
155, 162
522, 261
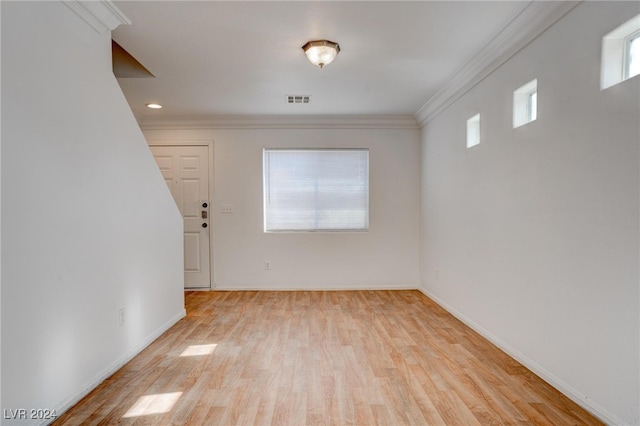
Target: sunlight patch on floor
198, 350
153, 404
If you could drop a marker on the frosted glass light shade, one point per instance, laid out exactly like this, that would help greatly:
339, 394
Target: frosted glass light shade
321, 52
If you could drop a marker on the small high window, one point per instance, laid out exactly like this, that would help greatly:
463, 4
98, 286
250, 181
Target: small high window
525, 104
473, 131
632, 55
532, 106
621, 54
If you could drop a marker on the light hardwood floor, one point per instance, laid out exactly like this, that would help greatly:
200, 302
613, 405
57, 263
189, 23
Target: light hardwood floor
322, 358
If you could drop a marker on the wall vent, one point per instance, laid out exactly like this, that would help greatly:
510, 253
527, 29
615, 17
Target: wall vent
298, 99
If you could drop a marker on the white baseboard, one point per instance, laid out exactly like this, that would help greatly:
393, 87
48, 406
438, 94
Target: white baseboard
109, 371
342, 288
540, 371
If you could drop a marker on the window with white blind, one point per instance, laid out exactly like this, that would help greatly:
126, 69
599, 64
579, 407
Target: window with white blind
316, 190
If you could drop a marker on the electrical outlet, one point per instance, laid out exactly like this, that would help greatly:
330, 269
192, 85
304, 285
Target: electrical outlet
226, 209
267, 265
121, 317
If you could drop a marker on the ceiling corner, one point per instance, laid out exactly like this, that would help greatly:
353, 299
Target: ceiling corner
100, 15
534, 19
280, 122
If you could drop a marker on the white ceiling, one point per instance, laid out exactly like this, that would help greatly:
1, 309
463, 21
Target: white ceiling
215, 58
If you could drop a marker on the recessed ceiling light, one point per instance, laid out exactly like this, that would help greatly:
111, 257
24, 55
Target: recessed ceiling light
154, 106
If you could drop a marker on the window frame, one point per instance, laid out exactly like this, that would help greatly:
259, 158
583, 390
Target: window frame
532, 105
626, 57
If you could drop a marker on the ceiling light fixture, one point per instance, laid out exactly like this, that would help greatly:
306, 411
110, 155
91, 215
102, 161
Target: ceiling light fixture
321, 52
154, 106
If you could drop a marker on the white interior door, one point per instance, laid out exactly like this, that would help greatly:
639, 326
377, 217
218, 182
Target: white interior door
186, 171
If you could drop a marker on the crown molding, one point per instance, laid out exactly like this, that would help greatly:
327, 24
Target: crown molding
532, 21
101, 15
281, 122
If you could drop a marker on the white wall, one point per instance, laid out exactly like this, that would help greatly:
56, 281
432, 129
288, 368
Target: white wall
384, 257
535, 231
88, 225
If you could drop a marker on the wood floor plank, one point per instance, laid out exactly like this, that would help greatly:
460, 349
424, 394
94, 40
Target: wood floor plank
322, 358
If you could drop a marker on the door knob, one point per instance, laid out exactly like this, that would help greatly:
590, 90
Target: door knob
204, 225
205, 205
